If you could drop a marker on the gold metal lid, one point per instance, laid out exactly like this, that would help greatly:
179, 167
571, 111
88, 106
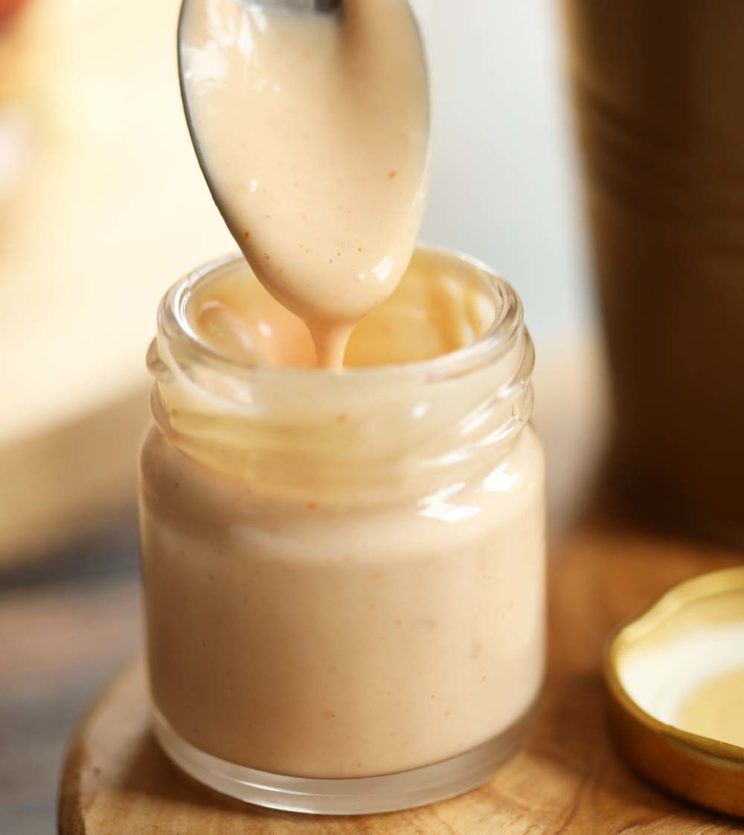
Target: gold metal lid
676, 685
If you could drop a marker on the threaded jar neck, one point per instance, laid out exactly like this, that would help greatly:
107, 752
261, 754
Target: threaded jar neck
411, 427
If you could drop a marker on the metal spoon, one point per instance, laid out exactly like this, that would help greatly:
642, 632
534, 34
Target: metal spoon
301, 5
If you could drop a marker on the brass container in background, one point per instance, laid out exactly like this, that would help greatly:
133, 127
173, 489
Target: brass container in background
658, 89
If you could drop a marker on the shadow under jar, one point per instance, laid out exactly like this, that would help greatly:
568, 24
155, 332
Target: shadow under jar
344, 571
657, 87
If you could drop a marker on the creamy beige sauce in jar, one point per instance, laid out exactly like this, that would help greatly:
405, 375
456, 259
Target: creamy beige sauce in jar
344, 574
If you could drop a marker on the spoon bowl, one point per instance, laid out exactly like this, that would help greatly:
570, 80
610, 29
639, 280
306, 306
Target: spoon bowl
312, 131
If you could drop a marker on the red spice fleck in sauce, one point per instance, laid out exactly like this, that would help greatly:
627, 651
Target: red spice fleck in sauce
246, 235
312, 506
393, 174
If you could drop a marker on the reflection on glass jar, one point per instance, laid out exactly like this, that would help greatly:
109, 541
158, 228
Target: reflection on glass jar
343, 572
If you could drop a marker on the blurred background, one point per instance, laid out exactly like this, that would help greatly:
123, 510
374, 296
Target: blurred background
102, 207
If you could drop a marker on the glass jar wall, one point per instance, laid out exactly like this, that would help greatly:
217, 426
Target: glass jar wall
344, 572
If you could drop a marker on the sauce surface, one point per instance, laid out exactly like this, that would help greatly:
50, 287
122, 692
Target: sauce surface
313, 132
441, 305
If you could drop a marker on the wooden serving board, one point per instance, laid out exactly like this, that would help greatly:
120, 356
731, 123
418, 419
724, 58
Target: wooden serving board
566, 780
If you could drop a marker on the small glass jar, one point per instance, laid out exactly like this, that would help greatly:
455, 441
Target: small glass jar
344, 572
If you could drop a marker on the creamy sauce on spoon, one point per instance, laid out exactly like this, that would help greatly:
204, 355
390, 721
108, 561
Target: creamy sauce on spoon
312, 130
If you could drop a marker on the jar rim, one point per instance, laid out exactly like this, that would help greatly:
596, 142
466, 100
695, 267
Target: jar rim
497, 339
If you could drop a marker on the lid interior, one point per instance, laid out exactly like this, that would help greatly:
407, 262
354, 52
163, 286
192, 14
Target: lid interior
682, 662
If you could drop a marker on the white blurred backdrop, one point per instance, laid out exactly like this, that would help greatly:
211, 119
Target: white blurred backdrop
504, 184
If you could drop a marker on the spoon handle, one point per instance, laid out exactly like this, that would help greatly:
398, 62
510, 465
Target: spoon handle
301, 5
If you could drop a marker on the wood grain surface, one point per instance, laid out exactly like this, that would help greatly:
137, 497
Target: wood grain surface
566, 780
